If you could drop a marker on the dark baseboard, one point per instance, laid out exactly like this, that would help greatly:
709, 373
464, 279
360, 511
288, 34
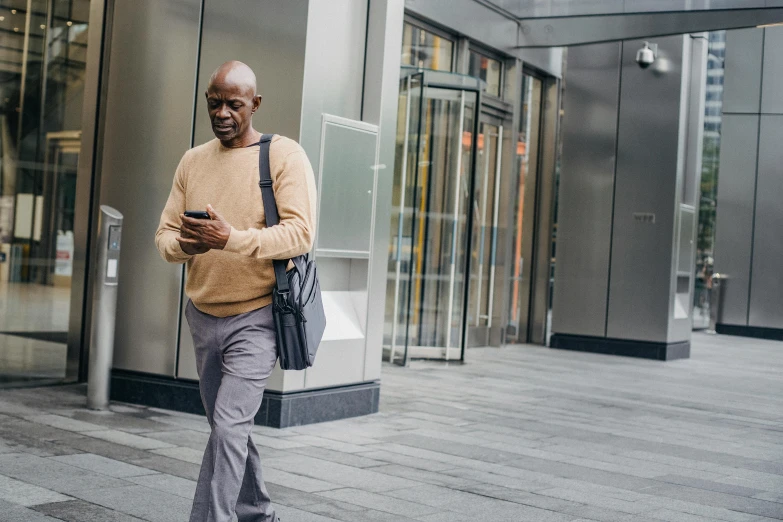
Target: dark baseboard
759, 332
278, 410
625, 347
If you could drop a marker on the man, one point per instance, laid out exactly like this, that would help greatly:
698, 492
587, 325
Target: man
230, 280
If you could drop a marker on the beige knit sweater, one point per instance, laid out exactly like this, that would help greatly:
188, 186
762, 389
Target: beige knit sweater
239, 278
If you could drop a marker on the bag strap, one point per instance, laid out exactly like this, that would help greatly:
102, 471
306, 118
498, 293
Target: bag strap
270, 207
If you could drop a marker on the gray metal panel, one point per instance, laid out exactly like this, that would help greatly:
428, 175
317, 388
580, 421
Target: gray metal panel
336, 29
734, 219
766, 297
586, 185
742, 83
772, 83
648, 164
148, 124
575, 30
269, 36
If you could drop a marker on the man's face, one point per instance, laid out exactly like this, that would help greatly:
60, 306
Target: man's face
231, 108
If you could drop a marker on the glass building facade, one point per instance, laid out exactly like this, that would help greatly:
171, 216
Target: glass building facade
43, 45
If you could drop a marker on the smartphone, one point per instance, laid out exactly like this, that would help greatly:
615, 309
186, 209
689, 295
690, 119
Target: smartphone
197, 214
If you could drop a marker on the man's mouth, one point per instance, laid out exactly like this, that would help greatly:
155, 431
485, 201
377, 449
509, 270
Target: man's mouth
223, 126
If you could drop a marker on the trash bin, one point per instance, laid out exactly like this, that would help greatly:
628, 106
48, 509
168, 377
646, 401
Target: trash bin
717, 300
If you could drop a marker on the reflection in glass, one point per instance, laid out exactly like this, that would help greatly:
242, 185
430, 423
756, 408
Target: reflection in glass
428, 250
425, 50
710, 163
44, 46
488, 70
483, 208
527, 166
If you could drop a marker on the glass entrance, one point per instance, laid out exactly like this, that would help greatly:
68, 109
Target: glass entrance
44, 45
485, 206
432, 200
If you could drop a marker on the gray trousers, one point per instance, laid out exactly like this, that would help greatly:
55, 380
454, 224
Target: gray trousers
234, 356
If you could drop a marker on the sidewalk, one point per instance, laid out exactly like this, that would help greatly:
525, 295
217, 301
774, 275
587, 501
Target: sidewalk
517, 434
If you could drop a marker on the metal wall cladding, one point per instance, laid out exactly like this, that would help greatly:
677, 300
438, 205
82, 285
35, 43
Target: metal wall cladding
742, 83
333, 68
148, 114
544, 8
586, 190
270, 37
645, 182
772, 84
766, 295
734, 220
272, 43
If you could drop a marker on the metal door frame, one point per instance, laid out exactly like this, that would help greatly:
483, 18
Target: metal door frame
501, 119
538, 249
455, 82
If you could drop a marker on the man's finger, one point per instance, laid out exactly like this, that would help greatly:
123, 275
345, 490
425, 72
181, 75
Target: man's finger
214, 214
192, 222
188, 241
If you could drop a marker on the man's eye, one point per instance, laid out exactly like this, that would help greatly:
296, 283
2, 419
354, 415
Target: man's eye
236, 107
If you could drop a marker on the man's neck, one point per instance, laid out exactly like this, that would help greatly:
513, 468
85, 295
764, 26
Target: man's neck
250, 137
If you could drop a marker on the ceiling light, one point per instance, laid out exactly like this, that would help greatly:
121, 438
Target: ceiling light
16, 29
2, 18
13, 11
764, 26
43, 26
69, 23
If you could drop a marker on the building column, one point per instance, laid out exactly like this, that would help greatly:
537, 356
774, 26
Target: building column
627, 201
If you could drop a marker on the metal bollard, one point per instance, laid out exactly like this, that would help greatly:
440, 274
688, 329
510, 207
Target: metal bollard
717, 300
104, 309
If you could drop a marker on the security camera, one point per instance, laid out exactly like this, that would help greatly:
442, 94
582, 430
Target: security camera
645, 57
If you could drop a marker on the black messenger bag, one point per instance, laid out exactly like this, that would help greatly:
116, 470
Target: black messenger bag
296, 299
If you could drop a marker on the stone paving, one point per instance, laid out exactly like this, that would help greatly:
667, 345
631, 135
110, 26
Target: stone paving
517, 434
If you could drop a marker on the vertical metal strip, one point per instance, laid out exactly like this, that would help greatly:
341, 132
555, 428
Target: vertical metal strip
756, 179
495, 213
614, 185
455, 224
192, 139
403, 181
23, 87
469, 232
483, 227
406, 353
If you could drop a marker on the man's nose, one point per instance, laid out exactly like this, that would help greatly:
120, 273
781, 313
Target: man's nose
223, 113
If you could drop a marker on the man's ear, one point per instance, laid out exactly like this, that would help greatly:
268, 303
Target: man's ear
256, 102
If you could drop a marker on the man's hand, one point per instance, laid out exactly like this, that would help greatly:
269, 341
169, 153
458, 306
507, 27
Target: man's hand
198, 236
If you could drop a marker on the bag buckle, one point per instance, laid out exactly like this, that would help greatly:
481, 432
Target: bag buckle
265, 183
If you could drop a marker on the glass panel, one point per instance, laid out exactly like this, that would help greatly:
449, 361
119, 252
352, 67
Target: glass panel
347, 182
44, 46
403, 193
488, 70
527, 166
483, 208
425, 50
440, 230
705, 238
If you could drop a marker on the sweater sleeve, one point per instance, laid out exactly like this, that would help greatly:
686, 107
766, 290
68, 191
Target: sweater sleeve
295, 196
168, 229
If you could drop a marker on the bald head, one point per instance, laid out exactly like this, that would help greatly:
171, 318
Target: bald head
235, 73
231, 101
